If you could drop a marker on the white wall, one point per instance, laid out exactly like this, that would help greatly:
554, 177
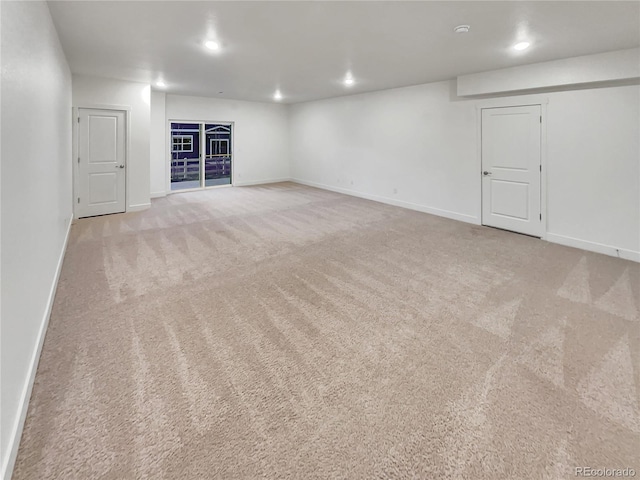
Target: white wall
410, 146
423, 141
92, 92
594, 169
36, 199
158, 144
260, 130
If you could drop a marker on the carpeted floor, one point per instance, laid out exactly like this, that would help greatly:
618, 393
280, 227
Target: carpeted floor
287, 332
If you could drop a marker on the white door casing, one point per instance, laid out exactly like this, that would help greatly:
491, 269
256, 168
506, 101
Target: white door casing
511, 169
101, 162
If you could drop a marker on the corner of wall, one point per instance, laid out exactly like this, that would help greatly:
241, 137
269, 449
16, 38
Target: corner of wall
289, 113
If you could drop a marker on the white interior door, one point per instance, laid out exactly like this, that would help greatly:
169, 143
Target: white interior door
101, 178
511, 169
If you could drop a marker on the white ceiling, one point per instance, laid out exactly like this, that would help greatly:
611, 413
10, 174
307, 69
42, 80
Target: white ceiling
306, 48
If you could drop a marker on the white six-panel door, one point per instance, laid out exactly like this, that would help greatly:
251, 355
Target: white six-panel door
511, 172
101, 177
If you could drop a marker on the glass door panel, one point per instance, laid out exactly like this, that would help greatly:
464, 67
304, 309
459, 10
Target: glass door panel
217, 163
185, 156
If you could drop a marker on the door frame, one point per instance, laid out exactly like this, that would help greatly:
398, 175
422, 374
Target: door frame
169, 145
75, 147
520, 101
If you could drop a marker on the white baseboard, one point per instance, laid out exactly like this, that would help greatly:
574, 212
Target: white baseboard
158, 194
463, 217
261, 182
139, 207
594, 247
16, 434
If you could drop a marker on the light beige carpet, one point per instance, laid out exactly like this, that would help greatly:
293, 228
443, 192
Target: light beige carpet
287, 332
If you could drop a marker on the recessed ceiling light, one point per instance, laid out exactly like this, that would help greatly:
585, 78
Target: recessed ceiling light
211, 45
521, 46
462, 29
277, 96
160, 84
349, 80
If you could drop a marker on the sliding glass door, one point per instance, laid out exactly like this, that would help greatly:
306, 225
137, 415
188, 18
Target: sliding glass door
201, 155
217, 163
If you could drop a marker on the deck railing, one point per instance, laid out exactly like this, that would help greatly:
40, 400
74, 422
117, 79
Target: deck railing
215, 166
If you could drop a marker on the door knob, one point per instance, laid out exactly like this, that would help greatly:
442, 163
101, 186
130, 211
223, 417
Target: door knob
119, 166
485, 173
